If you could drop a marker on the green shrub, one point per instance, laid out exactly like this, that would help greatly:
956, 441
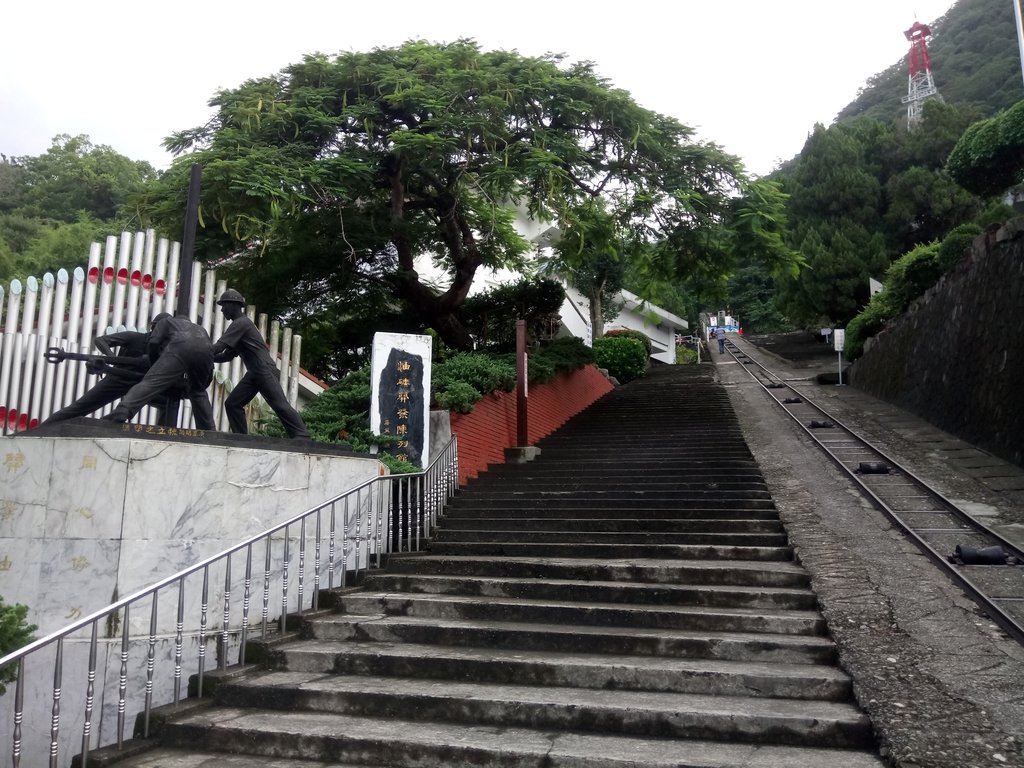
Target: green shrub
15, 632
910, 276
459, 397
624, 357
484, 373
685, 355
868, 323
953, 245
631, 334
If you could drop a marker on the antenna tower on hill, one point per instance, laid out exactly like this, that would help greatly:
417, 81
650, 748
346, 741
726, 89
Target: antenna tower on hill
921, 85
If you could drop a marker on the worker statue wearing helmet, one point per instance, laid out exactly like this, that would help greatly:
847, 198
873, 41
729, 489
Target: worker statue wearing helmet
243, 339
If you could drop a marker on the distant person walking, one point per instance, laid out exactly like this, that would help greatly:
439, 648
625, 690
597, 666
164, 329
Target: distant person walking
720, 335
243, 339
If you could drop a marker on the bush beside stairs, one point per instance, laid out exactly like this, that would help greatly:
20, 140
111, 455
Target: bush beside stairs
629, 598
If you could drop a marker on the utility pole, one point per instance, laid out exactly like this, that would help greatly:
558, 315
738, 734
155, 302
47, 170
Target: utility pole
1020, 34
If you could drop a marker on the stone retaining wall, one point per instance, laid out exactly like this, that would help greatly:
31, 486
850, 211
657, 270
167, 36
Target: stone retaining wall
956, 358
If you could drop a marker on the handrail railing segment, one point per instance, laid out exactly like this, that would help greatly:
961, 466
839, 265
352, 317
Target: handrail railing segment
131, 663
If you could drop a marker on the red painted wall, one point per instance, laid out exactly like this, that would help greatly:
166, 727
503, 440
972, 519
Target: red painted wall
491, 426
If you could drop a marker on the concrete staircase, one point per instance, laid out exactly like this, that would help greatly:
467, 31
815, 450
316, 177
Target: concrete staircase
627, 599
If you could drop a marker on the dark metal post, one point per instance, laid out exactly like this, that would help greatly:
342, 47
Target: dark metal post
188, 243
522, 440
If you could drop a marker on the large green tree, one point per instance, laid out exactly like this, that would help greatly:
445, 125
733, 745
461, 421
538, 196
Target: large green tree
324, 182
863, 193
53, 205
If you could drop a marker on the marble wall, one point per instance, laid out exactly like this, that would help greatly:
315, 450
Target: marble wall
85, 522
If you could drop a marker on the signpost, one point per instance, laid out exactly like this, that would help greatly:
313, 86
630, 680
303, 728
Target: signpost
839, 337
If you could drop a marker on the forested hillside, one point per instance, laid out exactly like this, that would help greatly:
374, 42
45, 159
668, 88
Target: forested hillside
866, 192
975, 62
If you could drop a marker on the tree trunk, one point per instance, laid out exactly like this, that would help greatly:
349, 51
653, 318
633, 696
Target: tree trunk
596, 315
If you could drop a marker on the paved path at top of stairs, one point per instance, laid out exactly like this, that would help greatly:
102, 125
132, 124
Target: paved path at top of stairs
629, 598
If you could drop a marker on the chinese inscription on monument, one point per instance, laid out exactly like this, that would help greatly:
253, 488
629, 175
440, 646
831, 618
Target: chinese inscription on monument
400, 393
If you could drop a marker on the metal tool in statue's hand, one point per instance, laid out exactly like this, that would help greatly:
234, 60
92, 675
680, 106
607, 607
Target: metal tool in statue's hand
58, 355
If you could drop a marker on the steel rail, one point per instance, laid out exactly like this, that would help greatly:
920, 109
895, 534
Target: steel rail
772, 384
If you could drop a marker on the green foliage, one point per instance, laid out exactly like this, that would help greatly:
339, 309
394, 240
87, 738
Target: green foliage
74, 177
866, 324
624, 358
953, 245
336, 172
342, 412
462, 379
491, 316
591, 254
862, 193
53, 206
989, 158
752, 296
906, 279
629, 333
561, 355
15, 632
910, 276
685, 355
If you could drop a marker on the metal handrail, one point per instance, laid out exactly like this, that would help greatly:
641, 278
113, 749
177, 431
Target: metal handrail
382, 515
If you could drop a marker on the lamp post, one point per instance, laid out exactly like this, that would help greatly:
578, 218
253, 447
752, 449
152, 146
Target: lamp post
1020, 34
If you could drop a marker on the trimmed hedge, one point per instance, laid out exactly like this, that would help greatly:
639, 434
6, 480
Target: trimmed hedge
623, 356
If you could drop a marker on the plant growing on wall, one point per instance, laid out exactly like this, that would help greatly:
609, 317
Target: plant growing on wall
15, 632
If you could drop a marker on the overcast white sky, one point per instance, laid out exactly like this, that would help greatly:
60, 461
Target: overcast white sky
751, 75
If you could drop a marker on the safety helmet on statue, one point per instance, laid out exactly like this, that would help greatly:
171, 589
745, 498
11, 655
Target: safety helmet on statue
231, 296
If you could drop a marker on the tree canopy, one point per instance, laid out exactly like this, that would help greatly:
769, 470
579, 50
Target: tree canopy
323, 183
861, 194
52, 206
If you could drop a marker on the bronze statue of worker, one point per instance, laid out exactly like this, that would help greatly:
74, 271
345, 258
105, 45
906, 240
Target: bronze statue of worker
243, 339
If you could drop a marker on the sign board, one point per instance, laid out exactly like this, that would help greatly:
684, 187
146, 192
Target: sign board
840, 338
400, 394
826, 331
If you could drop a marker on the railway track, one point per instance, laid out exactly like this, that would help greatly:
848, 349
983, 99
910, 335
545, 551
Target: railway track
987, 566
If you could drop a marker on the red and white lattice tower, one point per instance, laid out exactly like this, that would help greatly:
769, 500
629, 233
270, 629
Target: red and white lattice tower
921, 86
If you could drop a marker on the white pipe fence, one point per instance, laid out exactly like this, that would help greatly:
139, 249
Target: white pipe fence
126, 282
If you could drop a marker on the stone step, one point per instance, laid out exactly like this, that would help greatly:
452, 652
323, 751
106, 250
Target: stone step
629, 713
789, 622
613, 491
766, 574
642, 484
574, 670
615, 551
579, 638
519, 536
328, 738
636, 501
630, 593
190, 758
545, 469
744, 511
612, 524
